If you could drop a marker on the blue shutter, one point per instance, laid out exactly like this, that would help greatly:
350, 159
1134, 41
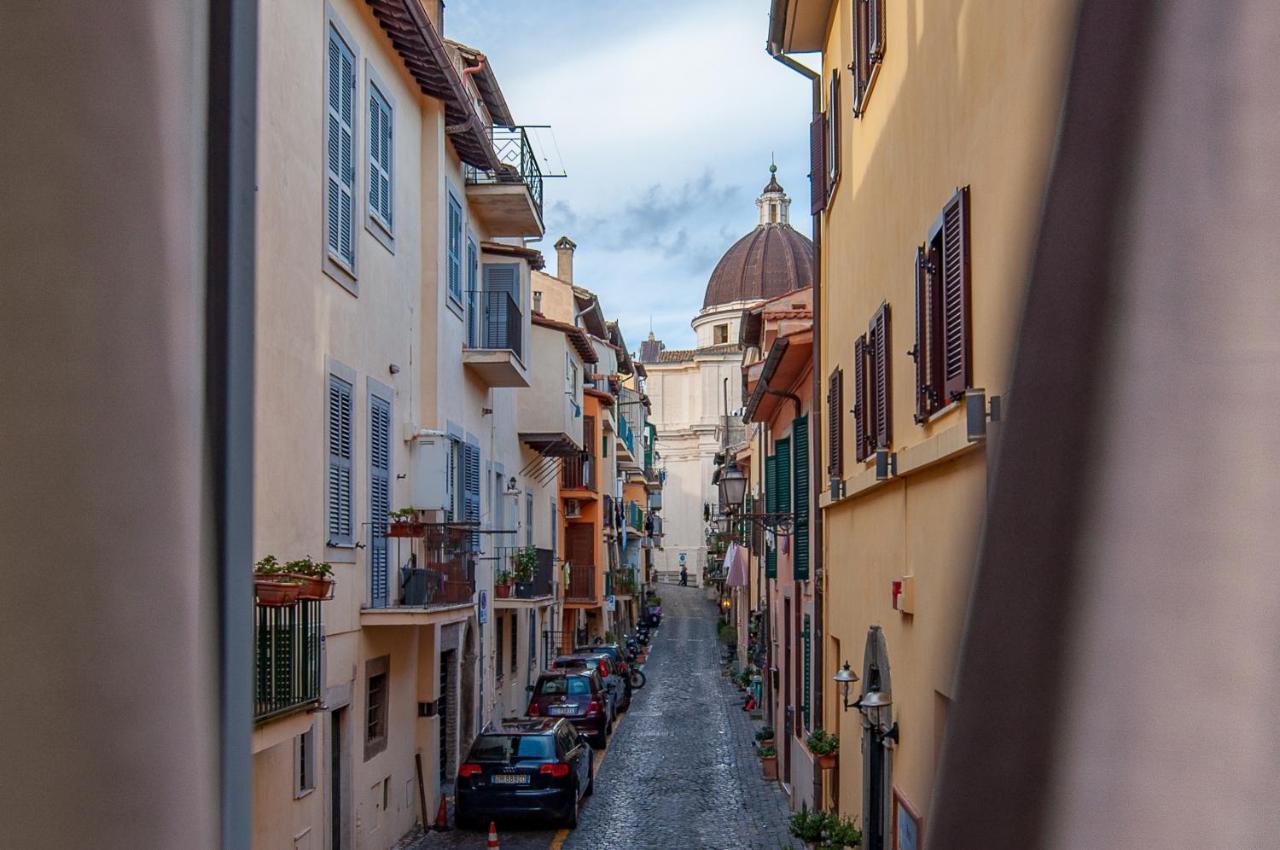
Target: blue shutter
379, 496
501, 279
473, 295
340, 520
471, 488
454, 246
340, 150
800, 437
379, 157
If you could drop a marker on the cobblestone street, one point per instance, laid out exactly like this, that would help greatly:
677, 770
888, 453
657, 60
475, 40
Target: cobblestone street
681, 770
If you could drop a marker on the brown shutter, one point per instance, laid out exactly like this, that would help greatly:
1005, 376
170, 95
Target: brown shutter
920, 353
955, 295
818, 164
860, 398
880, 356
835, 424
833, 119
875, 29
861, 66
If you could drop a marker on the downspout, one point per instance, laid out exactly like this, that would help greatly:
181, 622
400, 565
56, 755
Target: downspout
777, 24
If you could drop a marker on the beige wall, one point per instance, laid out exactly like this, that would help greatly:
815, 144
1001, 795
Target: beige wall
967, 94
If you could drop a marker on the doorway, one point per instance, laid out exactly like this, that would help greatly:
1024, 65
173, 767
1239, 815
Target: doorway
789, 712
447, 716
337, 782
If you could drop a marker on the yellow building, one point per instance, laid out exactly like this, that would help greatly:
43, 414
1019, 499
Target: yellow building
930, 157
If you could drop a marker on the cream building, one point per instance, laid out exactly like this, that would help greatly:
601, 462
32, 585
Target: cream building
695, 393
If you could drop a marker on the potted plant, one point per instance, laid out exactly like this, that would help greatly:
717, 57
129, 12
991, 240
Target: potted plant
404, 523
765, 737
272, 587
824, 830
502, 585
524, 562
316, 577
824, 745
768, 762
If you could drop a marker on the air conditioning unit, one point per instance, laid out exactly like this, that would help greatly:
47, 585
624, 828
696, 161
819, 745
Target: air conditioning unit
572, 508
430, 453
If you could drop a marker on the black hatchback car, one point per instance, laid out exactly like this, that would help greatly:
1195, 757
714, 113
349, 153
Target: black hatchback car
530, 767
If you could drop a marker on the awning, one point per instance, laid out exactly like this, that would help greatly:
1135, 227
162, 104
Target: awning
735, 560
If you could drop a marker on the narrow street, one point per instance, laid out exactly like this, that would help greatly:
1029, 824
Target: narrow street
681, 768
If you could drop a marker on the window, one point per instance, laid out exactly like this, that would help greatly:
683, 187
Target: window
720, 334
471, 489
868, 48
499, 624
377, 694
872, 408
818, 163
454, 245
380, 157
340, 168
473, 294
304, 750
943, 349
835, 429
340, 521
379, 495
833, 131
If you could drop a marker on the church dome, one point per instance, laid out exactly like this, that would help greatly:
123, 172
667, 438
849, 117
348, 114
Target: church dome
771, 260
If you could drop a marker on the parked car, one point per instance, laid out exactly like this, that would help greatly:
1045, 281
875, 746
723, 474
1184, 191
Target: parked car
579, 696
524, 767
615, 682
623, 661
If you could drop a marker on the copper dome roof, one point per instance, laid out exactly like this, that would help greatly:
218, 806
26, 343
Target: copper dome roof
769, 261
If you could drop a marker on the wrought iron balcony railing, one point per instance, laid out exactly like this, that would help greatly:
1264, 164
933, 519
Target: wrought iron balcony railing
287, 658
578, 472
451, 582
582, 582
511, 144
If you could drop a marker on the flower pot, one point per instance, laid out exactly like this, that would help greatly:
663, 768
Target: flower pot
407, 529
502, 591
767, 742
524, 590
769, 766
315, 587
276, 593
827, 762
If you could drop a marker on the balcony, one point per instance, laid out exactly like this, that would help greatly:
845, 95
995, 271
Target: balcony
539, 588
582, 583
287, 659
578, 473
495, 349
635, 518
437, 580
626, 444
550, 416
508, 201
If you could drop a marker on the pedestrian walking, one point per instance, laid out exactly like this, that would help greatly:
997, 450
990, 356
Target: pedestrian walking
684, 576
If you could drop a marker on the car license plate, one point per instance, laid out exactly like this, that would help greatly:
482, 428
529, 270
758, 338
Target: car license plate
560, 709
509, 779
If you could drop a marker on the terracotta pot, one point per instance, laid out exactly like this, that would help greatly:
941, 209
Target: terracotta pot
502, 591
827, 762
769, 766
767, 742
407, 529
275, 593
315, 587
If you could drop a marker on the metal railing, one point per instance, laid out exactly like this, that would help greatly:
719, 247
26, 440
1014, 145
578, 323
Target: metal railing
511, 144
541, 583
439, 583
626, 435
500, 324
286, 658
582, 582
578, 473
635, 516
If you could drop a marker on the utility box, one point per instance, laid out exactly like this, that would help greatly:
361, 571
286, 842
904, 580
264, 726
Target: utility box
430, 457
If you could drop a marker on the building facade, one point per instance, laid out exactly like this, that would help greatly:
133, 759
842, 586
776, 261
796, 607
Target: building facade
931, 140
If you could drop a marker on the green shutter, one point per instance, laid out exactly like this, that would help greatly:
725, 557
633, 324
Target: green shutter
800, 437
771, 505
782, 450
805, 644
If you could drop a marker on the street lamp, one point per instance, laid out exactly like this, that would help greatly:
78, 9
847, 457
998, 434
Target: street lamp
733, 486
845, 677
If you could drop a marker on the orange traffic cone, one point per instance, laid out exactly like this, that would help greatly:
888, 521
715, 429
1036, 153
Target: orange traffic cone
442, 816
493, 836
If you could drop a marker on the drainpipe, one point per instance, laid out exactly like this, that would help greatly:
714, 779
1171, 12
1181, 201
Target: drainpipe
777, 24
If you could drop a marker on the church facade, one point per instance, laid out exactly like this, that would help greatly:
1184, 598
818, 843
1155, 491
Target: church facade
696, 393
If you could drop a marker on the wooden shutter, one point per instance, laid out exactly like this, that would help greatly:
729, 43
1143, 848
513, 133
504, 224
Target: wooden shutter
875, 30
379, 157
580, 544
340, 150
379, 496
861, 66
835, 425
955, 295
771, 506
471, 488
880, 377
500, 279
818, 164
833, 129
920, 353
782, 449
339, 520
860, 398
800, 441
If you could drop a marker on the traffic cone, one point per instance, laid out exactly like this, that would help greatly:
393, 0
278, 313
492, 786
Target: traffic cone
442, 816
493, 836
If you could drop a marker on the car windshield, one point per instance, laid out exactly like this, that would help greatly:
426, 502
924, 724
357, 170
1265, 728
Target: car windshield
566, 685
505, 748
570, 663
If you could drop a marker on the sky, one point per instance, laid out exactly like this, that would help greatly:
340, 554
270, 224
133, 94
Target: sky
664, 115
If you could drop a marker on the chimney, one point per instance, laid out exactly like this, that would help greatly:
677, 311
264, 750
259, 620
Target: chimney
537, 301
564, 259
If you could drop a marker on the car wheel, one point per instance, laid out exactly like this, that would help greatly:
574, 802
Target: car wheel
591, 778
571, 820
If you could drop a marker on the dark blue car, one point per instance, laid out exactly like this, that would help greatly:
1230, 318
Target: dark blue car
534, 767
